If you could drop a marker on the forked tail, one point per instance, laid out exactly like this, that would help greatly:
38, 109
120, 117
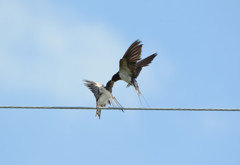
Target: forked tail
135, 84
139, 97
98, 112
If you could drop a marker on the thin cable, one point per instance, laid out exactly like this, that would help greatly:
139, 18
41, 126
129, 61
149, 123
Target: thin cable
119, 108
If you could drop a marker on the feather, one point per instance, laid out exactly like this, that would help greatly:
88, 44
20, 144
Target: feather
131, 56
143, 63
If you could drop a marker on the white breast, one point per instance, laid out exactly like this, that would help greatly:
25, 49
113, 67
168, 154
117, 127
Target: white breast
105, 96
125, 75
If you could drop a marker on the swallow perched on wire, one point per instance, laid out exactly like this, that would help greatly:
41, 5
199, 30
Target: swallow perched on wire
102, 94
131, 65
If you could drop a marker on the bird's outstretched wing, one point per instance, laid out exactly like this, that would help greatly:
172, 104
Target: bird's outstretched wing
144, 62
131, 56
94, 87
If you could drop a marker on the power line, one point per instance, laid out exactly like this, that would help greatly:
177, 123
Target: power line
118, 108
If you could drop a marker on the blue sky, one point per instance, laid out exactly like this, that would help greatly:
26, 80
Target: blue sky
48, 47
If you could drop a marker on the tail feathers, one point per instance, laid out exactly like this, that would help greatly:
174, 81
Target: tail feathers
98, 113
141, 96
135, 84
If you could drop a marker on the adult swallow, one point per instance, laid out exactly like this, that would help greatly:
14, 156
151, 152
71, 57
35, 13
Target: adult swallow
102, 94
131, 65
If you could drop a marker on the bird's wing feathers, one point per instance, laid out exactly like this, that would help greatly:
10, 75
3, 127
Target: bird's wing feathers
94, 87
146, 61
114, 101
143, 63
131, 56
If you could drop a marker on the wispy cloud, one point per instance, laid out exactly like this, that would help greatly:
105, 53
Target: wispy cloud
44, 53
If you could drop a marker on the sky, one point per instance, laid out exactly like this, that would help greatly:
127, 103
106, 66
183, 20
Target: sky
48, 47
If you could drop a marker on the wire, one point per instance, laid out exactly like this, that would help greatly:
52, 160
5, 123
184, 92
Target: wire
116, 108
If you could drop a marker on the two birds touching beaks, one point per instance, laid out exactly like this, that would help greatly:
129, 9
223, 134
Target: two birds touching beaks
130, 67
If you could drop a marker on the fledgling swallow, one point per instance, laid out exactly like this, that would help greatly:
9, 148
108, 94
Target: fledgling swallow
102, 94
